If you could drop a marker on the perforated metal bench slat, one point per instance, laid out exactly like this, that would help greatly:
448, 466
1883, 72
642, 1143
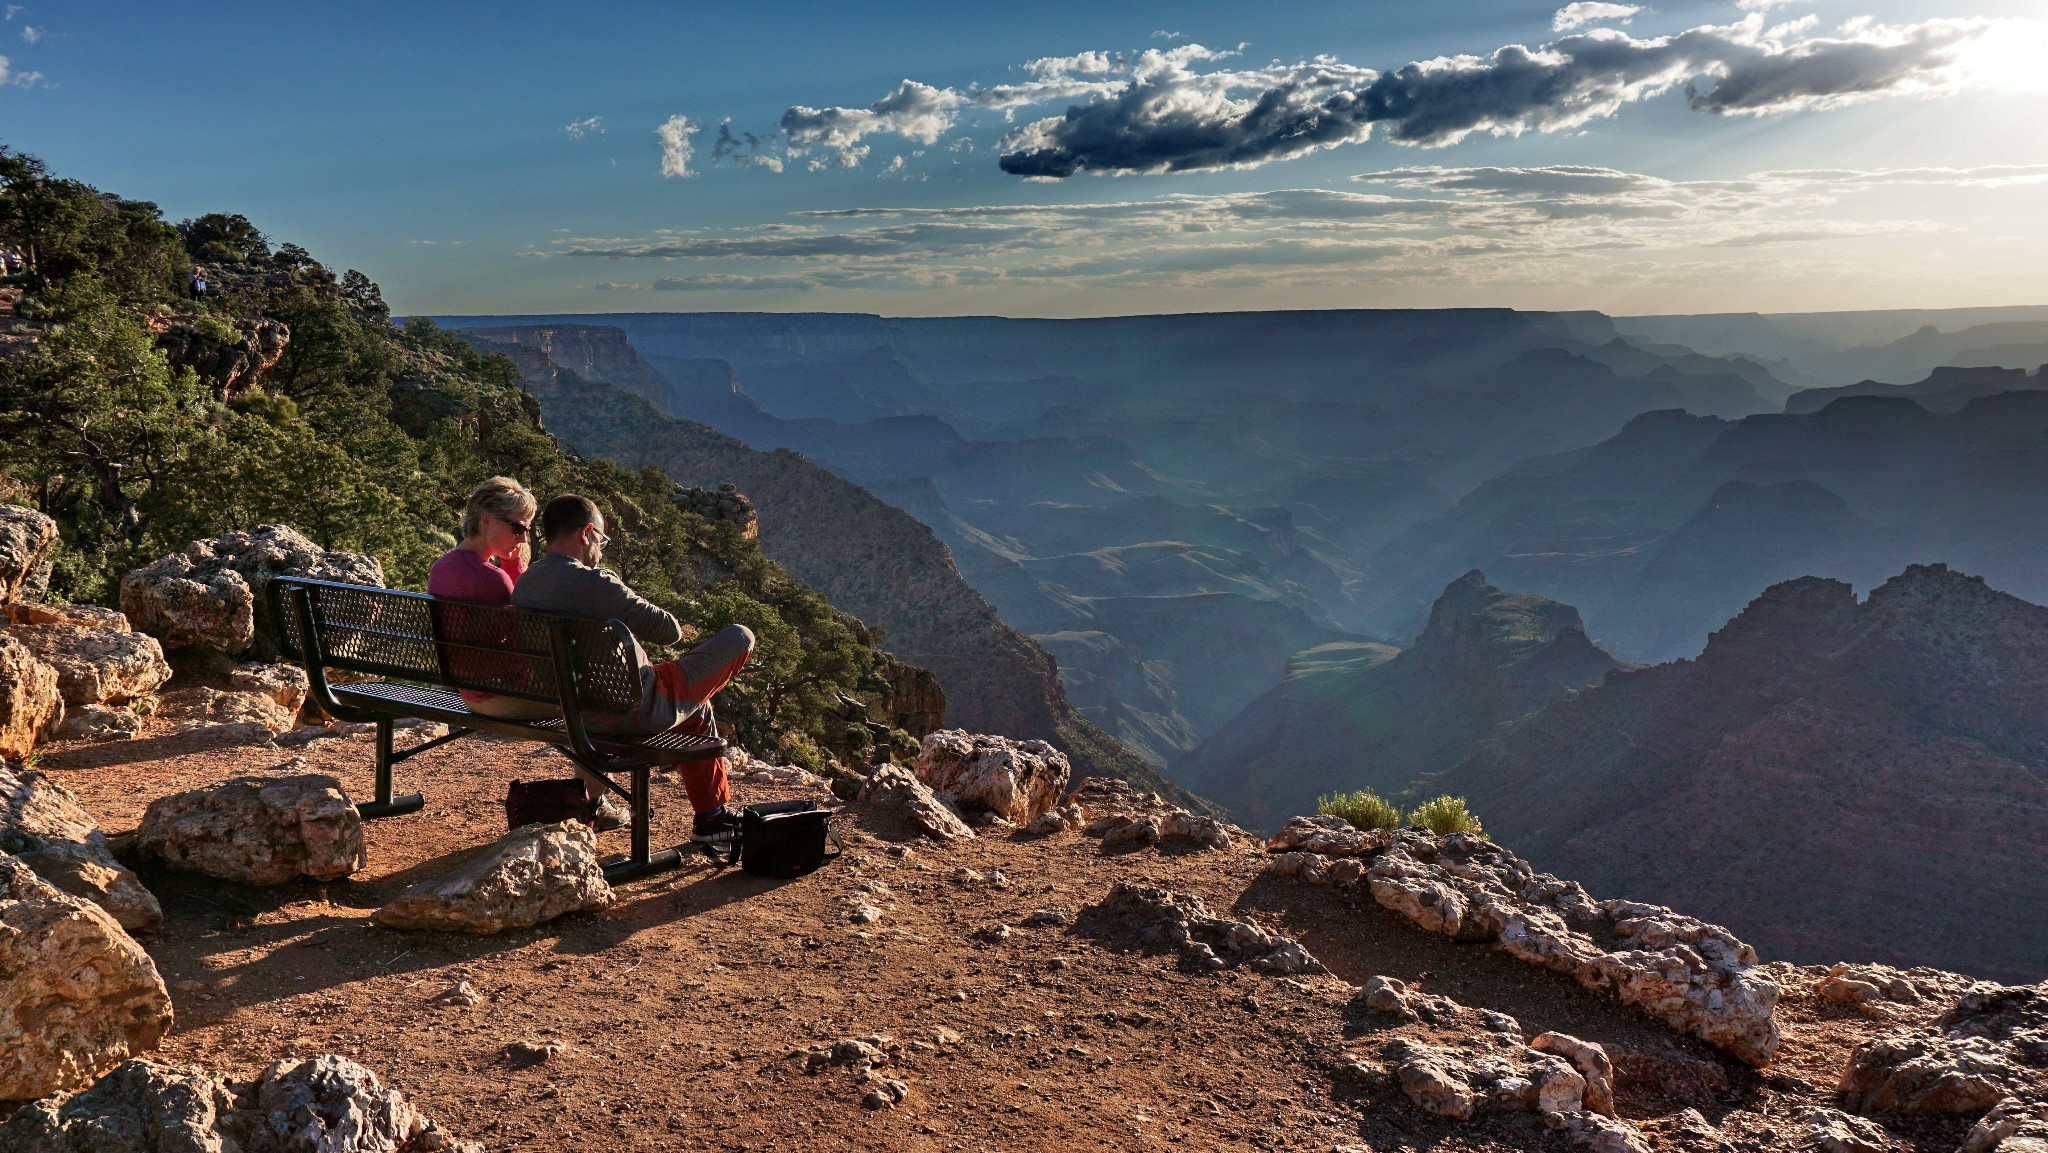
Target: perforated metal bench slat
397, 692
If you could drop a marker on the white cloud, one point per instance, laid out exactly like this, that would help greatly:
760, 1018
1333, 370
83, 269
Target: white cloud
590, 126
615, 286
1583, 12
30, 34
1163, 34
14, 10
914, 111
675, 134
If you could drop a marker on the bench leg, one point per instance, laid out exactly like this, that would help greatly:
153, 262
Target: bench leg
642, 862
387, 805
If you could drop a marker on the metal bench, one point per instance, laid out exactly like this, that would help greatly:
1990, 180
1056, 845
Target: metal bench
422, 649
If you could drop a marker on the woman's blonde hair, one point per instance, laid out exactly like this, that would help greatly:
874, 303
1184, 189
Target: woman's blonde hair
501, 497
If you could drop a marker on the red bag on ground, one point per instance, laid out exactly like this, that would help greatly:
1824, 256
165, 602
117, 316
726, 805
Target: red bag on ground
548, 802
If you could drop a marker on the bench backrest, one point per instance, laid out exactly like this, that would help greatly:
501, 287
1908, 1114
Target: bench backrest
414, 637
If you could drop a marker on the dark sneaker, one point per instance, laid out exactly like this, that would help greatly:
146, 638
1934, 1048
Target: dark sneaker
715, 828
610, 814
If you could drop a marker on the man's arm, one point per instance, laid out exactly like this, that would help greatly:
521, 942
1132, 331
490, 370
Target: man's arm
647, 620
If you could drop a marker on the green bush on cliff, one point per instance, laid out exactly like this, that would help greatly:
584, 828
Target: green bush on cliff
1444, 816
1361, 810
364, 435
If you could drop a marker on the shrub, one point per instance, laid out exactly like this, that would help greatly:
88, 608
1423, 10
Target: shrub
1361, 810
1444, 816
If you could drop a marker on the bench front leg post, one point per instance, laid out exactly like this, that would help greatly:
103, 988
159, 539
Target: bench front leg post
642, 815
387, 805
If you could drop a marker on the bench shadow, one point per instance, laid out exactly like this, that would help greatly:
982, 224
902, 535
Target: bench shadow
698, 887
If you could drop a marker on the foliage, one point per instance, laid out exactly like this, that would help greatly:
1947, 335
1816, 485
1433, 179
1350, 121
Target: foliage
1361, 810
1444, 816
365, 436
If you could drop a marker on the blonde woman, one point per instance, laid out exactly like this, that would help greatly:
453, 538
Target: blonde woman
496, 524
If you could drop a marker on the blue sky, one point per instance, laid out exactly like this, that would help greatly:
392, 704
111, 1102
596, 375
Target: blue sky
1841, 155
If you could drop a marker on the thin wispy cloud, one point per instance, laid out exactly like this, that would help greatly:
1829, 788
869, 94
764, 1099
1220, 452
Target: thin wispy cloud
1416, 224
580, 129
1190, 108
1584, 12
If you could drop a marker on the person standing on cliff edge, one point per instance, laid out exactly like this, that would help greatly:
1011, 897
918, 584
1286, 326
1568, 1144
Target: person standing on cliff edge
673, 694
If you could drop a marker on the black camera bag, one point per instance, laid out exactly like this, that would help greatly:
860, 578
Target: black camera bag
785, 838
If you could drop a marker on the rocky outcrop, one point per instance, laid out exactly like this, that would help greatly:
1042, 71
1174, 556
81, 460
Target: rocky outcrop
1696, 977
230, 356
322, 1104
77, 994
1858, 720
262, 830
212, 594
1590, 1060
1014, 780
1991, 1045
534, 874
1496, 1075
100, 723
1152, 918
725, 504
45, 828
97, 665
28, 542
916, 704
31, 707
896, 790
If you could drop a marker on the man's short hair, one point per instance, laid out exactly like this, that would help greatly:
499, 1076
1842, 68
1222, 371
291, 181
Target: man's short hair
565, 514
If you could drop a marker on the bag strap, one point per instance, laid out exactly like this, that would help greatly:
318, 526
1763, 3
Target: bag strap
838, 846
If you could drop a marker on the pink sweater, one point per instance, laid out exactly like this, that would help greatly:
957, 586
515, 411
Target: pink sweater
461, 575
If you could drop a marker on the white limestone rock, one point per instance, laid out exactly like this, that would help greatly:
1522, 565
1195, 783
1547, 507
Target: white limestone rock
534, 874
1015, 780
1493, 1075
895, 789
258, 830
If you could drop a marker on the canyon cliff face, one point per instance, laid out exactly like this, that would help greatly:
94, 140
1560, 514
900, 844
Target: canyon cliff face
1365, 718
868, 558
1829, 778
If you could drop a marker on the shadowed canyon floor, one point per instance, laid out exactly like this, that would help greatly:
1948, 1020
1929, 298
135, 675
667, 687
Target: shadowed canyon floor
677, 1011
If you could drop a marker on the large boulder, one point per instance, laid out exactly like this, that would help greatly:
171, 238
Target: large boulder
283, 685
262, 830
894, 789
534, 874
27, 546
323, 1104
212, 594
1991, 1044
31, 707
97, 665
1015, 780
45, 827
77, 994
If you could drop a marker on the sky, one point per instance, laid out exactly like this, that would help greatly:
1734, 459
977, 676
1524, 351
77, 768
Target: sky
1079, 159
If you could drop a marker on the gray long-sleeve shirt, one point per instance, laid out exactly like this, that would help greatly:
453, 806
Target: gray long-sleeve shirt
560, 584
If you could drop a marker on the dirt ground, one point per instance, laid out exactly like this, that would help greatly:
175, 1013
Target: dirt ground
677, 1011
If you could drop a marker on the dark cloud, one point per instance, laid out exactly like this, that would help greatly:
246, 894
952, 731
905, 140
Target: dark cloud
1171, 118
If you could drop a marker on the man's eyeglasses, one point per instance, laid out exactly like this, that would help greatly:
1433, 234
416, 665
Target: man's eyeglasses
598, 535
